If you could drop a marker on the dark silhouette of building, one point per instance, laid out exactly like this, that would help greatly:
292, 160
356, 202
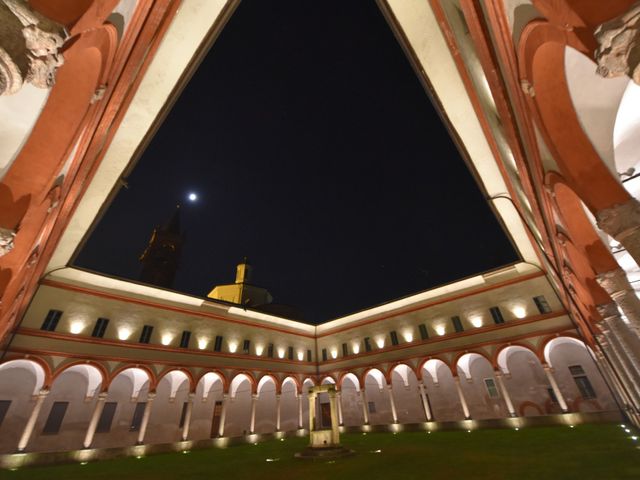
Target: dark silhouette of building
161, 257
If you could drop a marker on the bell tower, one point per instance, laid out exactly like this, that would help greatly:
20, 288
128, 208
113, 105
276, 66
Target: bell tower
161, 257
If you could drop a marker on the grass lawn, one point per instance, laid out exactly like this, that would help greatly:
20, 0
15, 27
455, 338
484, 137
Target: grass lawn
585, 452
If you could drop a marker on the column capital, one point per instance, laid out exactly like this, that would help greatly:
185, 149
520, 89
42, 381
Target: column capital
29, 48
43, 393
225, 396
617, 39
191, 395
547, 368
103, 395
151, 396
255, 396
278, 396
498, 373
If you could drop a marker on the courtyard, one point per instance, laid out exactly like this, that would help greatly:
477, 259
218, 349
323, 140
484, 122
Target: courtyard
580, 452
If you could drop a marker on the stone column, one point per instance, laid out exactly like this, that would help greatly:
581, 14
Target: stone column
95, 417
622, 222
145, 418
618, 42
625, 338
300, 423
187, 416
617, 285
278, 412
556, 390
333, 407
505, 393
30, 47
463, 401
312, 411
394, 413
628, 371
223, 414
252, 424
425, 402
365, 407
604, 363
339, 401
31, 423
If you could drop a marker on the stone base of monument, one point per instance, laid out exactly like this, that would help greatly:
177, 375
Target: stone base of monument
323, 446
323, 453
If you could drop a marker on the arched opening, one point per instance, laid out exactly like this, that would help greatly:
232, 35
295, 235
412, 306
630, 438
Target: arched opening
20, 381
577, 375
306, 385
526, 382
266, 405
351, 400
239, 406
207, 406
289, 404
378, 404
169, 407
441, 391
406, 395
480, 387
122, 415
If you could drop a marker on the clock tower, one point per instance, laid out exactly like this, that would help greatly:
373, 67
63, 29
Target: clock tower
160, 258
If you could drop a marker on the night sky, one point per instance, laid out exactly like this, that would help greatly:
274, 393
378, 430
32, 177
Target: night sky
316, 153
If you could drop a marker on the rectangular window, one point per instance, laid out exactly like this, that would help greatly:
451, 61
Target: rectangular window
457, 324
54, 420
372, 407
582, 382
100, 327
345, 350
217, 346
423, 331
106, 418
51, 320
394, 337
183, 414
136, 420
184, 341
367, 344
145, 336
4, 408
552, 395
246, 347
492, 389
270, 350
496, 314
542, 304
309, 356
290, 353
324, 354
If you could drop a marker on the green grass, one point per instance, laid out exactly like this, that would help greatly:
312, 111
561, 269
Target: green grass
583, 452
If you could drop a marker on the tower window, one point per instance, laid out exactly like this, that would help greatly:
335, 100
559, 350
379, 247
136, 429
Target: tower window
542, 304
496, 314
309, 356
100, 327
492, 390
290, 353
324, 354
145, 336
423, 331
582, 382
394, 337
184, 341
367, 344
457, 324
270, 350
217, 346
51, 320
345, 350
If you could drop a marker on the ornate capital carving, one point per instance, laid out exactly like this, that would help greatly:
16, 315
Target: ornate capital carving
609, 310
621, 220
614, 282
6, 240
29, 47
618, 52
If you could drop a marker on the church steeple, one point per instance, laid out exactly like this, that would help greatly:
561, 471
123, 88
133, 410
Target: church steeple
160, 258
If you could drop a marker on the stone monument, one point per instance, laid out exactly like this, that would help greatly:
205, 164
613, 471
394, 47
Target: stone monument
323, 442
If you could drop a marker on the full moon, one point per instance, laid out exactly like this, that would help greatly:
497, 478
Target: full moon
192, 197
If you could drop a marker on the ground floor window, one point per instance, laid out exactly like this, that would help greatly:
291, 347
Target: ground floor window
584, 385
492, 390
4, 408
136, 420
54, 420
106, 418
372, 407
